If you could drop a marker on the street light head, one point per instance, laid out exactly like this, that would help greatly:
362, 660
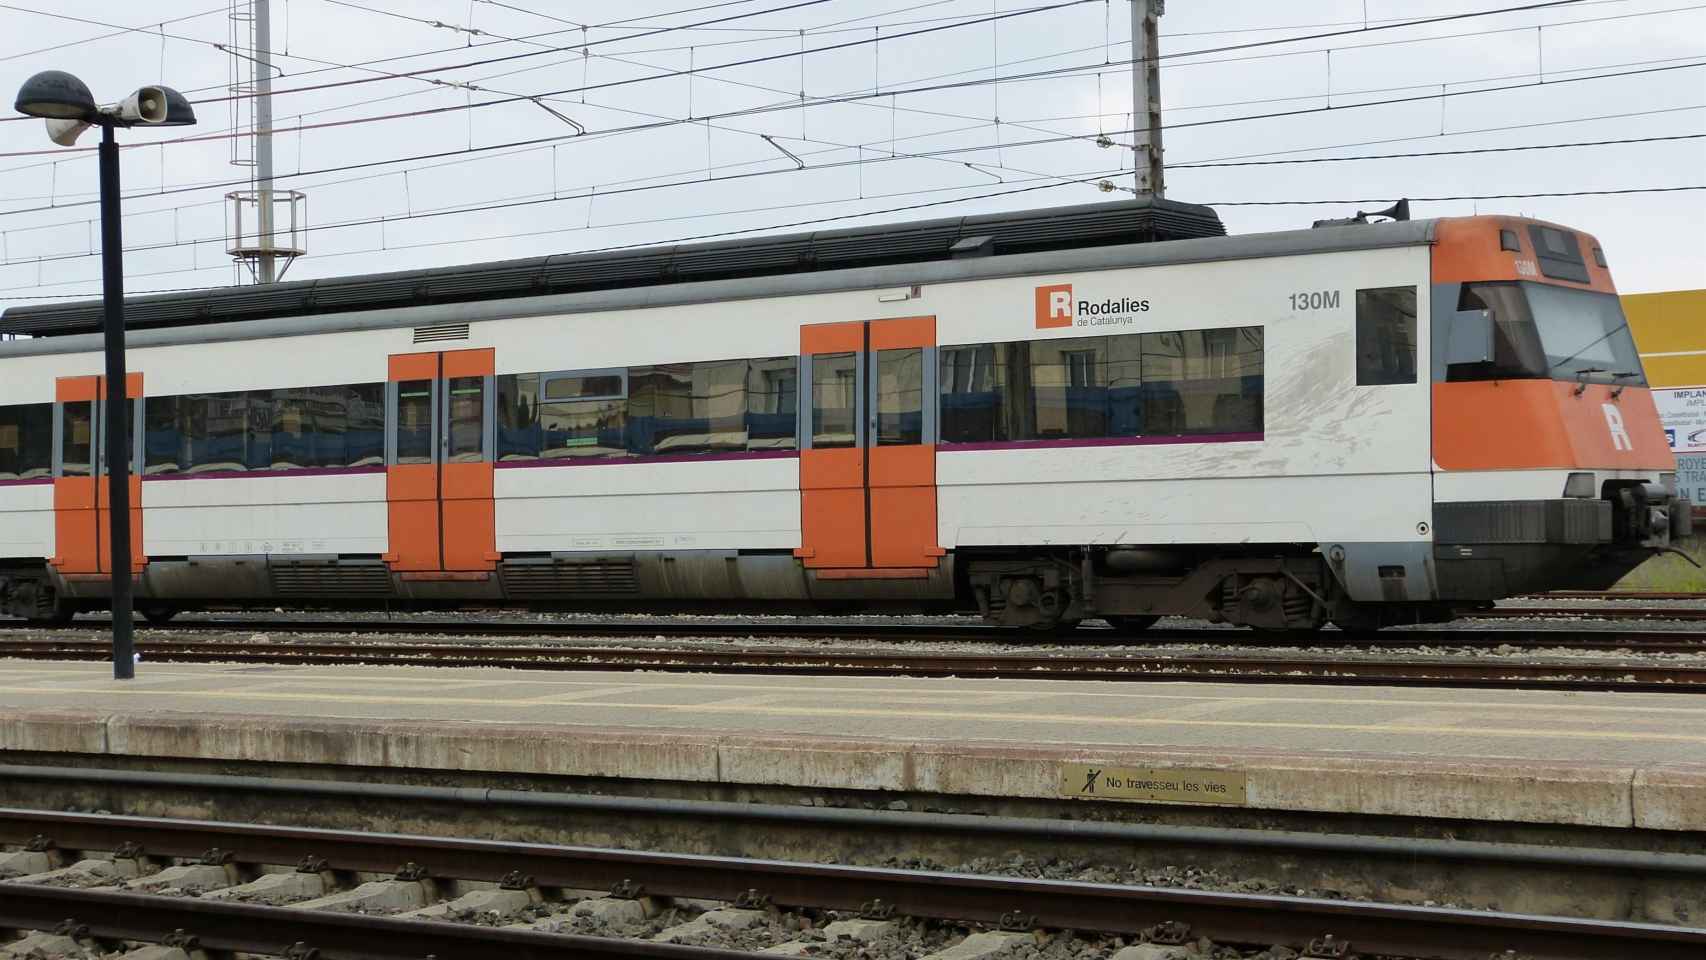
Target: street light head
55, 95
66, 132
179, 113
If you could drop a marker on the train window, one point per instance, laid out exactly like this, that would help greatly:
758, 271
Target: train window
834, 393
586, 385
682, 408
162, 451
583, 428
519, 434
364, 429
467, 420
414, 422
281, 430
258, 430
664, 410
77, 448
973, 382
1202, 382
26, 441
1069, 381
900, 397
1133, 385
772, 403
1386, 336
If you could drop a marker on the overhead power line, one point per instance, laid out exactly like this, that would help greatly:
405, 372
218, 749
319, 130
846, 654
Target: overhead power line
153, 29
1442, 199
893, 92
596, 192
386, 75
913, 33
851, 98
1077, 181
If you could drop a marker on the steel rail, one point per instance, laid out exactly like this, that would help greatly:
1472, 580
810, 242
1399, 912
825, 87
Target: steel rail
276, 931
1232, 668
1617, 595
1432, 932
1657, 640
1616, 612
1466, 854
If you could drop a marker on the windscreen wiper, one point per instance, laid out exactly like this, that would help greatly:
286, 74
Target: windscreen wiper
1582, 377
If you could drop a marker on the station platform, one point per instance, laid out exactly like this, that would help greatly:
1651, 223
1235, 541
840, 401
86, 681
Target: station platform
1619, 760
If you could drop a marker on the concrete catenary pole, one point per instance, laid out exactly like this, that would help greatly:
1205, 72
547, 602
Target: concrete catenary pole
266, 265
1145, 95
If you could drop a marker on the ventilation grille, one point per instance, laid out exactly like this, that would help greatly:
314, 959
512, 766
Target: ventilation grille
581, 578
328, 580
440, 332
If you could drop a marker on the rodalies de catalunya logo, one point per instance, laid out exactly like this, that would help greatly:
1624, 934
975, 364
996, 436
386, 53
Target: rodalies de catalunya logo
1056, 308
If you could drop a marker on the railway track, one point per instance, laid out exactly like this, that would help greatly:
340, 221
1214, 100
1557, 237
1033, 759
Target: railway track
559, 879
482, 629
1184, 666
1617, 595
1614, 612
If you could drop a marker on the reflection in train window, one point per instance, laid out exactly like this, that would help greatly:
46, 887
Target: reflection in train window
26, 441
289, 428
834, 400
1189, 382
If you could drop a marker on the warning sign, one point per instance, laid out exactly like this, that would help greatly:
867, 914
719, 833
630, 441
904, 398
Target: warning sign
1088, 781
1683, 413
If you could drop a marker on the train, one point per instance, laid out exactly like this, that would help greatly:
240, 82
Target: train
1111, 411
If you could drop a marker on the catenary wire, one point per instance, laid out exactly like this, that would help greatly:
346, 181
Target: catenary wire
1026, 143
1018, 78
1627, 191
530, 200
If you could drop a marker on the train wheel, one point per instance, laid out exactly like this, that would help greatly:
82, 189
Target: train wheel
57, 614
157, 615
1131, 624
41, 607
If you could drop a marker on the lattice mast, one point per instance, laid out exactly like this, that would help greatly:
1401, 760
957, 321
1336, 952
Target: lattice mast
266, 226
1146, 95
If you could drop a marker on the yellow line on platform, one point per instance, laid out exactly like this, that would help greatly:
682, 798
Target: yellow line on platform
967, 688
1041, 718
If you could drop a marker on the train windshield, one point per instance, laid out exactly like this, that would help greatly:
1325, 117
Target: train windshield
1545, 332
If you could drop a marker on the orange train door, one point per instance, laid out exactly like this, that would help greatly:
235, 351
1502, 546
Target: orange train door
80, 494
439, 442
868, 448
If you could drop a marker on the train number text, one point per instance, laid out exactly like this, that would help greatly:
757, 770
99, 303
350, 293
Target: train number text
1315, 300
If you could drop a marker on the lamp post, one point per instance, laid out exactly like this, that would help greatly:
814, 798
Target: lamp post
69, 109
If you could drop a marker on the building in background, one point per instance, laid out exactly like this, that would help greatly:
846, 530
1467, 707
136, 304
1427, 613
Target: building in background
1670, 332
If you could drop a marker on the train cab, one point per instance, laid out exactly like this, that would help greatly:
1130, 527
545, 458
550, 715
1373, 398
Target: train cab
1551, 466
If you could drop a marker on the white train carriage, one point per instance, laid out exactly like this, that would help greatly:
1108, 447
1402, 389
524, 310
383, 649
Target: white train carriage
1105, 411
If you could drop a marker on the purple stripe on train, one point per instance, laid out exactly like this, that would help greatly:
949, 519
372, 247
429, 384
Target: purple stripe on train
1101, 442
268, 474
656, 458
27, 482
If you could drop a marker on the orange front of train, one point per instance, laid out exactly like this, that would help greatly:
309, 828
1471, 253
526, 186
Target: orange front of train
1550, 460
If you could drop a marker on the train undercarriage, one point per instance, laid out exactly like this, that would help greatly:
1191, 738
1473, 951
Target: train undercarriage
1477, 553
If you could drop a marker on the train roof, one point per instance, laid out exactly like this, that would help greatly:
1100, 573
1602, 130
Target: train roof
1140, 220
57, 332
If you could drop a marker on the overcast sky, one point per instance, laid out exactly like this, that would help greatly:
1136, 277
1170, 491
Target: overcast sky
651, 185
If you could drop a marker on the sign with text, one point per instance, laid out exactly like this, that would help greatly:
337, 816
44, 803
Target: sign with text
1091, 781
1691, 479
1683, 413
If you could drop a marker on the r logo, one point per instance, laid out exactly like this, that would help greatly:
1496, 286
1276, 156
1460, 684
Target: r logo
1054, 306
1614, 423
